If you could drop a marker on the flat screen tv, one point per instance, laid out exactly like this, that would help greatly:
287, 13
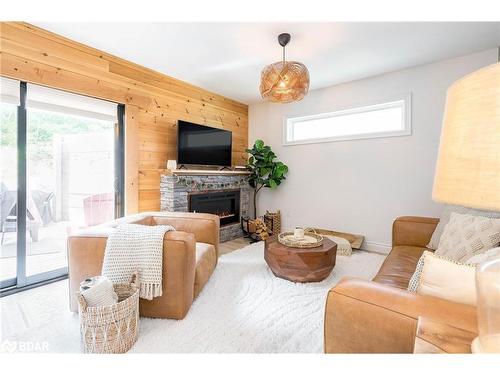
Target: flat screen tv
203, 145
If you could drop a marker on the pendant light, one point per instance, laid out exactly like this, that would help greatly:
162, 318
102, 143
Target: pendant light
284, 81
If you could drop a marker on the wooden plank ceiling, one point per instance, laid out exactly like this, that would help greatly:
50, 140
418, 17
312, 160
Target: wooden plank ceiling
154, 102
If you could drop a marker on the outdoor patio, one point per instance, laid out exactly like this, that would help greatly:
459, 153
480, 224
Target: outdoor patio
46, 254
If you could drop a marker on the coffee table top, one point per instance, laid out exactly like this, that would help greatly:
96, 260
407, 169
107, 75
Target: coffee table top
273, 243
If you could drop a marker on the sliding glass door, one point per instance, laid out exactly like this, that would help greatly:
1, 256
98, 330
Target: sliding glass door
67, 174
70, 180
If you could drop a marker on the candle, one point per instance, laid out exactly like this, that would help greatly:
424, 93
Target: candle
298, 233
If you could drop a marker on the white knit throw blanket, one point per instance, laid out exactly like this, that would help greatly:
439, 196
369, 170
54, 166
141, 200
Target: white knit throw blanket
134, 247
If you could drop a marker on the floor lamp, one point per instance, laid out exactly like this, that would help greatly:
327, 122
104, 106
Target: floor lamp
468, 174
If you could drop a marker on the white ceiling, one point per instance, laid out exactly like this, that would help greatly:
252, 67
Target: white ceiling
227, 58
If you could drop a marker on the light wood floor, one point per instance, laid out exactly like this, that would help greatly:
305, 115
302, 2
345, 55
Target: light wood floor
227, 247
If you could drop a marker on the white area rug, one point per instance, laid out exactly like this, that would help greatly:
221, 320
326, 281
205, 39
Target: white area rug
243, 308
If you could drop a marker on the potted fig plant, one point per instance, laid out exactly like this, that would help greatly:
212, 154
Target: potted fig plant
266, 170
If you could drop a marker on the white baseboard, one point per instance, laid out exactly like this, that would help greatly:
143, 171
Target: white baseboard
376, 247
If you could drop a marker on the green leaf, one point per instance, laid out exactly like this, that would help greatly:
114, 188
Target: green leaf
259, 144
265, 169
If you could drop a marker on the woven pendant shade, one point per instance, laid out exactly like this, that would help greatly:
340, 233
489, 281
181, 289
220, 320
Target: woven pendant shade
284, 82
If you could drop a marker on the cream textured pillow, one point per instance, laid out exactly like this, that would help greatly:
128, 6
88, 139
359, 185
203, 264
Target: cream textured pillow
440, 277
445, 218
343, 246
466, 235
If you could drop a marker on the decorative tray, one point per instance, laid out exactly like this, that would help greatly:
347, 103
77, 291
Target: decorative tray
310, 240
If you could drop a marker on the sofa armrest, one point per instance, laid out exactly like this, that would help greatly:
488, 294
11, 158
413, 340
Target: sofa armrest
413, 230
179, 265
367, 317
438, 337
85, 259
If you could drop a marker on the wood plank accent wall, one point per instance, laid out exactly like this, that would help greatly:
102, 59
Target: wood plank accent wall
153, 101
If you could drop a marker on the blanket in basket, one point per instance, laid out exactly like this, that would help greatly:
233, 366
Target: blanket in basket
134, 247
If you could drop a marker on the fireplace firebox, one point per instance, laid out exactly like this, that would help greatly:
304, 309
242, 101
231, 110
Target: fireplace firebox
225, 204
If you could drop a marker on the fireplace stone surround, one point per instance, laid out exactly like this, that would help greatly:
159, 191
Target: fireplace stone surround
177, 188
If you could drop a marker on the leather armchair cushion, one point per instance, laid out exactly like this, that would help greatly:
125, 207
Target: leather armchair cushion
399, 266
201, 249
206, 260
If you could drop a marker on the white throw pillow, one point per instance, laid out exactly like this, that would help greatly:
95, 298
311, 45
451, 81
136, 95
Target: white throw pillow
445, 218
466, 235
480, 258
98, 291
440, 277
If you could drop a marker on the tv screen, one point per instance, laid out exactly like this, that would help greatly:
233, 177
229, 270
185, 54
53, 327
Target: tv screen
203, 145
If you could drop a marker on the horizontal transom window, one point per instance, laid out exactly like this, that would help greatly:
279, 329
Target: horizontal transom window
386, 119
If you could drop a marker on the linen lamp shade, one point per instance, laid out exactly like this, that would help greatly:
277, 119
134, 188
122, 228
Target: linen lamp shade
468, 166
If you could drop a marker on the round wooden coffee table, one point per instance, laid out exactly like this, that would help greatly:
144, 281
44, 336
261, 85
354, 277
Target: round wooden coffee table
300, 265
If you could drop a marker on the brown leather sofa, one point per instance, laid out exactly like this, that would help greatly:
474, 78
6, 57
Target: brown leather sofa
190, 255
380, 316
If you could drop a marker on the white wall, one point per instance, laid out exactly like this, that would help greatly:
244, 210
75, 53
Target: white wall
361, 186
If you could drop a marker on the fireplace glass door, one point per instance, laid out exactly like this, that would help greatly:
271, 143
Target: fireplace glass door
225, 204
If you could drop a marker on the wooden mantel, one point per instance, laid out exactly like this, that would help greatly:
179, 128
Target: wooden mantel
203, 172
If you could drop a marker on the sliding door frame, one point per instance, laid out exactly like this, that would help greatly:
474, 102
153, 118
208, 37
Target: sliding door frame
120, 162
22, 281
22, 179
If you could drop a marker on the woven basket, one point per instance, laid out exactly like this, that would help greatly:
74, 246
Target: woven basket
273, 221
111, 329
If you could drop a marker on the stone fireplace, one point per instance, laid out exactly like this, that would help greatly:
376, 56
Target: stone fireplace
225, 194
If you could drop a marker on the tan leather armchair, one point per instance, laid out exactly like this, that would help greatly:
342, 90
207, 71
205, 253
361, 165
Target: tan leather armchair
189, 258
380, 316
